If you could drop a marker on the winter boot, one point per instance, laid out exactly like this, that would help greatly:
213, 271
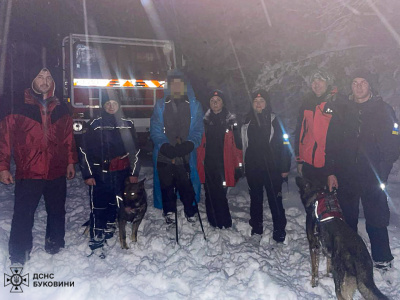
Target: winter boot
52, 247
279, 235
169, 218
110, 230
192, 220
96, 242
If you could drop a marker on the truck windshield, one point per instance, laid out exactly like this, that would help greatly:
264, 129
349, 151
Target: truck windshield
113, 61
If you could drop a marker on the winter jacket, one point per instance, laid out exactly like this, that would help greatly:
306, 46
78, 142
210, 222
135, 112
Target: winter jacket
264, 144
363, 141
231, 156
109, 144
312, 125
159, 138
40, 138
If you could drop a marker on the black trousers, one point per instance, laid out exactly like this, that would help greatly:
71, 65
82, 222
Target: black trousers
376, 211
258, 180
175, 179
103, 202
27, 196
217, 207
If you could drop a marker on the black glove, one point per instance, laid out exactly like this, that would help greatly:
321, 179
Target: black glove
168, 150
184, 148
238, 173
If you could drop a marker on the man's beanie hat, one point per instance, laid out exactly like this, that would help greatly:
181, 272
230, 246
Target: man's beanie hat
367, 75
323, 75
108, 95
260, 93
218, 93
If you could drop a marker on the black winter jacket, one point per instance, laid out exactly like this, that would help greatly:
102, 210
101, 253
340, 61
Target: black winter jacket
363, 141
264, 147
107, 138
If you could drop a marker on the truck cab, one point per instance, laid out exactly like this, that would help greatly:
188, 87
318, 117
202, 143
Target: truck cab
135, 68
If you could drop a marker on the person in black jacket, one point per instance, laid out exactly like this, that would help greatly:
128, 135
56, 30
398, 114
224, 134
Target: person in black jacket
108, 156
267, 162
362, 145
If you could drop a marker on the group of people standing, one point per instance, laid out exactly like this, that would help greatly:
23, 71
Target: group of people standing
214, 149
347, 144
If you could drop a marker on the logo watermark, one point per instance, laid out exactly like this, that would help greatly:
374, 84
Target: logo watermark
16, 280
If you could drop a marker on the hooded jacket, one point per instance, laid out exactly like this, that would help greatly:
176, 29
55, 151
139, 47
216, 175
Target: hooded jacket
231, 156
363, 141
39, 136
159, 137
109, 145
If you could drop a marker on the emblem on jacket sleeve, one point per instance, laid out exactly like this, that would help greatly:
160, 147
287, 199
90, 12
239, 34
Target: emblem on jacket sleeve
395, 130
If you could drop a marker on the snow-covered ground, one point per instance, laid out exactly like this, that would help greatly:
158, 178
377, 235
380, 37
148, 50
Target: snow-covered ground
229, 265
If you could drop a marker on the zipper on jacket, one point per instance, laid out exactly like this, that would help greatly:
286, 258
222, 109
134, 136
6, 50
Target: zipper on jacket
304, 131
313, 151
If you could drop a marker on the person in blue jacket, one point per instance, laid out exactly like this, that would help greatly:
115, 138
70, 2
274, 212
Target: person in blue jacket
176, 128
108, 155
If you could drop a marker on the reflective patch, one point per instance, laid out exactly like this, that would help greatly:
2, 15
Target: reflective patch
395, 130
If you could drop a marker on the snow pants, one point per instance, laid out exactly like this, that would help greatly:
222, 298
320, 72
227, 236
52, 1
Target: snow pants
103, 201
173, 179
258, 180
217, 207
27, 196
376, 212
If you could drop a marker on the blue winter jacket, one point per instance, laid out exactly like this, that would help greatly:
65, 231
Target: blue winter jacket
159, 138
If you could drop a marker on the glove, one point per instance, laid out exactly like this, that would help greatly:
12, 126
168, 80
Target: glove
184, 148
168, 150
238, 173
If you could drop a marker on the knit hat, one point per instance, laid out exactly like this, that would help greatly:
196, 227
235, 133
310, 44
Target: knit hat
218, 93
322, 75
372, 79
108, 95
261, 93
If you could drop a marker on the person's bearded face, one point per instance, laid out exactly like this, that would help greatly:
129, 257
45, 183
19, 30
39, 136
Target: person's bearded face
43, 82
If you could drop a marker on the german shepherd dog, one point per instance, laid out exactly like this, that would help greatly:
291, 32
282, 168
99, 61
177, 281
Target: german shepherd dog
348, 258
131, 209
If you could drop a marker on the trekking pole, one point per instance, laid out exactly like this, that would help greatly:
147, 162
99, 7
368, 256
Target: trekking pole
176, 226
187, 168
201, 223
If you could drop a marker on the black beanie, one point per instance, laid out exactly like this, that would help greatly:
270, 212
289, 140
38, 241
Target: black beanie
108, 95
260, 93
217, 93
372, 79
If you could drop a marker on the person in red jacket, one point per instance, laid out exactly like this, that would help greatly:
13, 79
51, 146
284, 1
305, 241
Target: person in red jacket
219, 159
312, 126
39, 135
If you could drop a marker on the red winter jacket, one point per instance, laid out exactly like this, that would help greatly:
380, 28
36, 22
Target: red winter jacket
40, 138
233, 158
313, 123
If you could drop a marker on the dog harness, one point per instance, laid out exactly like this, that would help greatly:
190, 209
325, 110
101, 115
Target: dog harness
326, 207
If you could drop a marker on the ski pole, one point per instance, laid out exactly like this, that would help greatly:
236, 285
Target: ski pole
201, 223
176, 226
